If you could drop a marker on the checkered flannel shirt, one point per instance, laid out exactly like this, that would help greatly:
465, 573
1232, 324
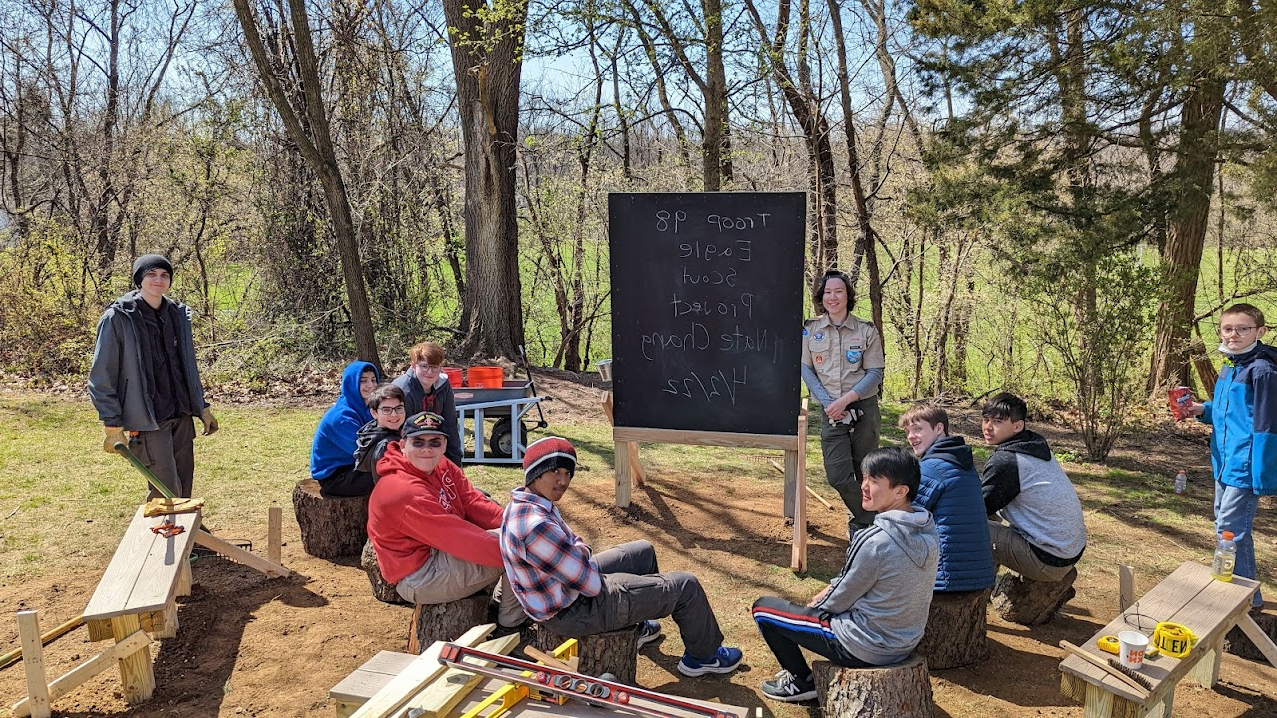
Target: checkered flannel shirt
548, 565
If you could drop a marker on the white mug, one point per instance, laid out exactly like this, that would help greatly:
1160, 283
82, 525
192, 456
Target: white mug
1131, 648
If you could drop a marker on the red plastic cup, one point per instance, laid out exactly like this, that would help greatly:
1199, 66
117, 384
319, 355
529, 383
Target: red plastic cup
1180, 398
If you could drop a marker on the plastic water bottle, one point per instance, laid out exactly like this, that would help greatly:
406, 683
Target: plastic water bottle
1181, 481
1225, 556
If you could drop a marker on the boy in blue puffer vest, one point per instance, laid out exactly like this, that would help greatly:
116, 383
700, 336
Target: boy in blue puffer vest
950, 490
1243, 415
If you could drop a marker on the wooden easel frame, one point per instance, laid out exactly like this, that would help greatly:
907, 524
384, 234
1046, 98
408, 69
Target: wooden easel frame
629, 470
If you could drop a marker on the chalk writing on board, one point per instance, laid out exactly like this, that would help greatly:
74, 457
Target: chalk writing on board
706, 307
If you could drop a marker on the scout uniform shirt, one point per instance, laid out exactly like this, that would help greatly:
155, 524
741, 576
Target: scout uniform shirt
841, 354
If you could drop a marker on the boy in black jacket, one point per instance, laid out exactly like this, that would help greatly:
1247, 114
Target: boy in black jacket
1025, 486
387, 406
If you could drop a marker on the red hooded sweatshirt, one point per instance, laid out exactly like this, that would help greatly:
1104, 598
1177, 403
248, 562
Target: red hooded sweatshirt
411, 514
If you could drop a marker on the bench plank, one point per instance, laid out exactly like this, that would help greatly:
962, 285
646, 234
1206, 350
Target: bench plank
142, 575
1189, 595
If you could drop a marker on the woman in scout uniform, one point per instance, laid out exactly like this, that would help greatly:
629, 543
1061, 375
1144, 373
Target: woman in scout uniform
842, 367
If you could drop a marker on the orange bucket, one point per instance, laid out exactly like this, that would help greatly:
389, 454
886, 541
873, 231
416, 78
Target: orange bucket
456, 376
487, 377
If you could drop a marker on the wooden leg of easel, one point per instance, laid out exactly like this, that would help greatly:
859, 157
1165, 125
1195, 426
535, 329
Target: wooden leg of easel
33, 663
274, 541
791, 482
636, 467
136, 674
623, 473
798, 554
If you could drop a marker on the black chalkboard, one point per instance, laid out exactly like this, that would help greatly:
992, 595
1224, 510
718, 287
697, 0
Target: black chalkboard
707, 297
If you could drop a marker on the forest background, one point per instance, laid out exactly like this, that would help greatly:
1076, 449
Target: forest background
1050, 197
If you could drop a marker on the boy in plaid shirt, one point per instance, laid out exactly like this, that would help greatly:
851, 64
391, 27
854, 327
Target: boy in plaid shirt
562, 584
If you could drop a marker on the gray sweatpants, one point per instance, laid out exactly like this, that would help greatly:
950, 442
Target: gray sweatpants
1012, 550
634, 591
169, 452
444, 577
843, 449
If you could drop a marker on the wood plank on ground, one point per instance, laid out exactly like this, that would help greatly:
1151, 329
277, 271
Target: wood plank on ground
80, 674
424, 669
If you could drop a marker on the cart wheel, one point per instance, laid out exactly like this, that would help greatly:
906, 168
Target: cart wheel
502, 443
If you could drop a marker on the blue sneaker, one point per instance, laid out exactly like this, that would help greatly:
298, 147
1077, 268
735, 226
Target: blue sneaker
649, 631
724, 660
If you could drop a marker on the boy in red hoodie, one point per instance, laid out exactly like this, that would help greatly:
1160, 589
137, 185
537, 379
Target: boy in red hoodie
434, 534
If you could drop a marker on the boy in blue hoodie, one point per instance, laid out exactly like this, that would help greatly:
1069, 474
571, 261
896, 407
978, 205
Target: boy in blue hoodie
1243, 415
950, 490
874, 612
332, 453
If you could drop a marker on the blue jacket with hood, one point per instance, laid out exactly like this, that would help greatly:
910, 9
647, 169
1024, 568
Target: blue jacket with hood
1243, 414
335, 439
950, 490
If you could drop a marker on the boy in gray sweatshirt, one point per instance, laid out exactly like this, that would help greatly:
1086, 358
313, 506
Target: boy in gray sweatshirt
874, 612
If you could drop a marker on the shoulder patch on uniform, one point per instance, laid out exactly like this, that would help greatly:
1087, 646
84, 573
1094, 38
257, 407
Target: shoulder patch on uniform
804, 331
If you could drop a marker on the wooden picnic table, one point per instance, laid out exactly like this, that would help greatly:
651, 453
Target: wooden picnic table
1188, 596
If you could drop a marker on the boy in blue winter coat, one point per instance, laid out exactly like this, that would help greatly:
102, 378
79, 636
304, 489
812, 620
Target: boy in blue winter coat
1243, 415
874, 612
950, 490
332, 453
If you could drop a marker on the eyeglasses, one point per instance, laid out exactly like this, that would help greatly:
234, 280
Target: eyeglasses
428, 368
435, 443
390, 410
1239, 331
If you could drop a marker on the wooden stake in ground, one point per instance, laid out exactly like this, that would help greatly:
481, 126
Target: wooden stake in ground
45, 639
33, 663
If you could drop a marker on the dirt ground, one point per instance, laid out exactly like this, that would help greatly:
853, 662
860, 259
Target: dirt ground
252, 646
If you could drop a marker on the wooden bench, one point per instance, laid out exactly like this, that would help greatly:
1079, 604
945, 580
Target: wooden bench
1188, 596
139, 592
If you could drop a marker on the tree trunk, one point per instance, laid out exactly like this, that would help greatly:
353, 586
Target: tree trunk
1182, 258
314, 141
331, 526
1029, 603
615, 652
956, 629
446, 621
382, 590
899, 691
486, 61
715, 96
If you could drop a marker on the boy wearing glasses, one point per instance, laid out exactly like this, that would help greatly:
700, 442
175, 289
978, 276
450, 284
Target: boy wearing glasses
387, 408
1243, 416
426, 388
434, 534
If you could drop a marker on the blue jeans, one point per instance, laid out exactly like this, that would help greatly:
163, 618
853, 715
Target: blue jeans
1235, 511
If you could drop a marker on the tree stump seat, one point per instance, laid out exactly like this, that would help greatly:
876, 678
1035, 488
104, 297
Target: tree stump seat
615, 652
956, 629
901, 690
1031, 603
331, 526
445, 621
382, 590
